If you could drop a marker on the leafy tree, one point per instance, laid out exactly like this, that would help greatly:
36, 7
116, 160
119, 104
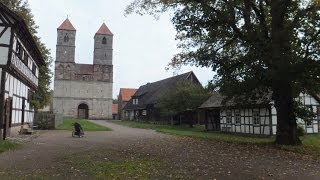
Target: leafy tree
186, 96
42, 96
253, 45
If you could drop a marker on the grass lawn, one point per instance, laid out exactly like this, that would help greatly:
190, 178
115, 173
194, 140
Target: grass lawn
112, 165
85, 124
7, 145
310, 143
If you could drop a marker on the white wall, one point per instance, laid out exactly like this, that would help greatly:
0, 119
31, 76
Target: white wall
246, 121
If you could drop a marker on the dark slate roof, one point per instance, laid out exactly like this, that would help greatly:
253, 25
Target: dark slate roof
149, 93
216, 101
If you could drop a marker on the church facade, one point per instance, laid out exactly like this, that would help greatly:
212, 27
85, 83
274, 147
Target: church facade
83, 90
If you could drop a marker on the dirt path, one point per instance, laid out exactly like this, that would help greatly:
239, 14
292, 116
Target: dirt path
169, 157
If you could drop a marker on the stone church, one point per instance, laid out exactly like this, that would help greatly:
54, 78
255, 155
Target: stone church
83, 90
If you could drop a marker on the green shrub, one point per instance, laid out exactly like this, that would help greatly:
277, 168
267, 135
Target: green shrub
300, 131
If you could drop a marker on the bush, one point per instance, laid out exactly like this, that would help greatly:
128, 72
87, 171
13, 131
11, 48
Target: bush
300, 131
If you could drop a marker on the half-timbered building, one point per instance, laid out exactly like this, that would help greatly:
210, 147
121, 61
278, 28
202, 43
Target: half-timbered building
259, 118
20, 59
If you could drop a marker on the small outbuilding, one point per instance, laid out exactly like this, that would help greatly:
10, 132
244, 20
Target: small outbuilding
257, 117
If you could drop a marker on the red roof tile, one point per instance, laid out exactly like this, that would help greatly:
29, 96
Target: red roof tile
66, 25
126, 93
114, 108
104, 30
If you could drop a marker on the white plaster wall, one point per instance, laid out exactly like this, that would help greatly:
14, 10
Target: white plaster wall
17, 90
246, 125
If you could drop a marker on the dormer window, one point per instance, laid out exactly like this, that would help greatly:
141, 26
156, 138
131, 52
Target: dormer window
66, 38
135, 101
104, 40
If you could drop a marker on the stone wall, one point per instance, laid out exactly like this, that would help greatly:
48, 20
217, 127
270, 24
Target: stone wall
47, 120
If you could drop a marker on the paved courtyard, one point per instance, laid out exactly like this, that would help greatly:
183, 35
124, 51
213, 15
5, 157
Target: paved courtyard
50, 156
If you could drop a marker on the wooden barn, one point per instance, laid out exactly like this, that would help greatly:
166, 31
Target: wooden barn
258, 118
20, 59
141, 105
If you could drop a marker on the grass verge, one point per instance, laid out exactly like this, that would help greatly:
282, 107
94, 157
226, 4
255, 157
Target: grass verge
93, 164
85, 124
310, 143
8, 145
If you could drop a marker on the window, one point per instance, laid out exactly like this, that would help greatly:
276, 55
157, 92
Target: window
66, 38
34, 68
229, 117
25, 58
256, 117
309, 121
19, 49
318, 112
144, 112
104, 40
135, 101
237, 117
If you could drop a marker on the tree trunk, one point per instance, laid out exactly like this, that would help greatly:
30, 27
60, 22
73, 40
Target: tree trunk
286, 119
281, 75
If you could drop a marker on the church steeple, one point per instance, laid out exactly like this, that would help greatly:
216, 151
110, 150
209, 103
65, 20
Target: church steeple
66, 38
103, 40
66, 25
104, 30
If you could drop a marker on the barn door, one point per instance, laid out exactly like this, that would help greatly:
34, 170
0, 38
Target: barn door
7, 117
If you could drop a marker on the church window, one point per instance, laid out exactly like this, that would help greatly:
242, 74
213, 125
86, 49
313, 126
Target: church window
104, 40
66, 38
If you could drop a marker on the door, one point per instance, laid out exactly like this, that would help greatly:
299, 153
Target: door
213, 119
83, 111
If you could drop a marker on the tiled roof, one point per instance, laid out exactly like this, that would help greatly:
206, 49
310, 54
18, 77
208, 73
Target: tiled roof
126, 93
66, 25
104, 30
149, 93
114, 108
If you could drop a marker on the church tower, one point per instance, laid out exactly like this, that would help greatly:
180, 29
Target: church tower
103, 41
66, 42
83, 90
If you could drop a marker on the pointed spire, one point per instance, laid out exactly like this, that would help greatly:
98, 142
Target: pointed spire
66, 25
104, 30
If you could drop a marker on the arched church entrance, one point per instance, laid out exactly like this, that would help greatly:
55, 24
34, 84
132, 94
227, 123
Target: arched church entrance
83, 111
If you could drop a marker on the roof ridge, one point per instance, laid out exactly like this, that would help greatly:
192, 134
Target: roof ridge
170, 78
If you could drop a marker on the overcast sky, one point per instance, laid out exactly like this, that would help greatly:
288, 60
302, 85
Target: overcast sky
142, 46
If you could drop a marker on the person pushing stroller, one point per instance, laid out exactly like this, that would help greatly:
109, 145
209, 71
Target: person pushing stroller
78, 131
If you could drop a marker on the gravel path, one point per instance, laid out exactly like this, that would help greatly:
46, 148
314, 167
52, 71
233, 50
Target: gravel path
184, 158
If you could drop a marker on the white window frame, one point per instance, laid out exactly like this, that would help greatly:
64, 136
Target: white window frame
256, 119
237, 117
229, 117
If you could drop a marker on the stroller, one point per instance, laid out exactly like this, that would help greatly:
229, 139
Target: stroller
78, 131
